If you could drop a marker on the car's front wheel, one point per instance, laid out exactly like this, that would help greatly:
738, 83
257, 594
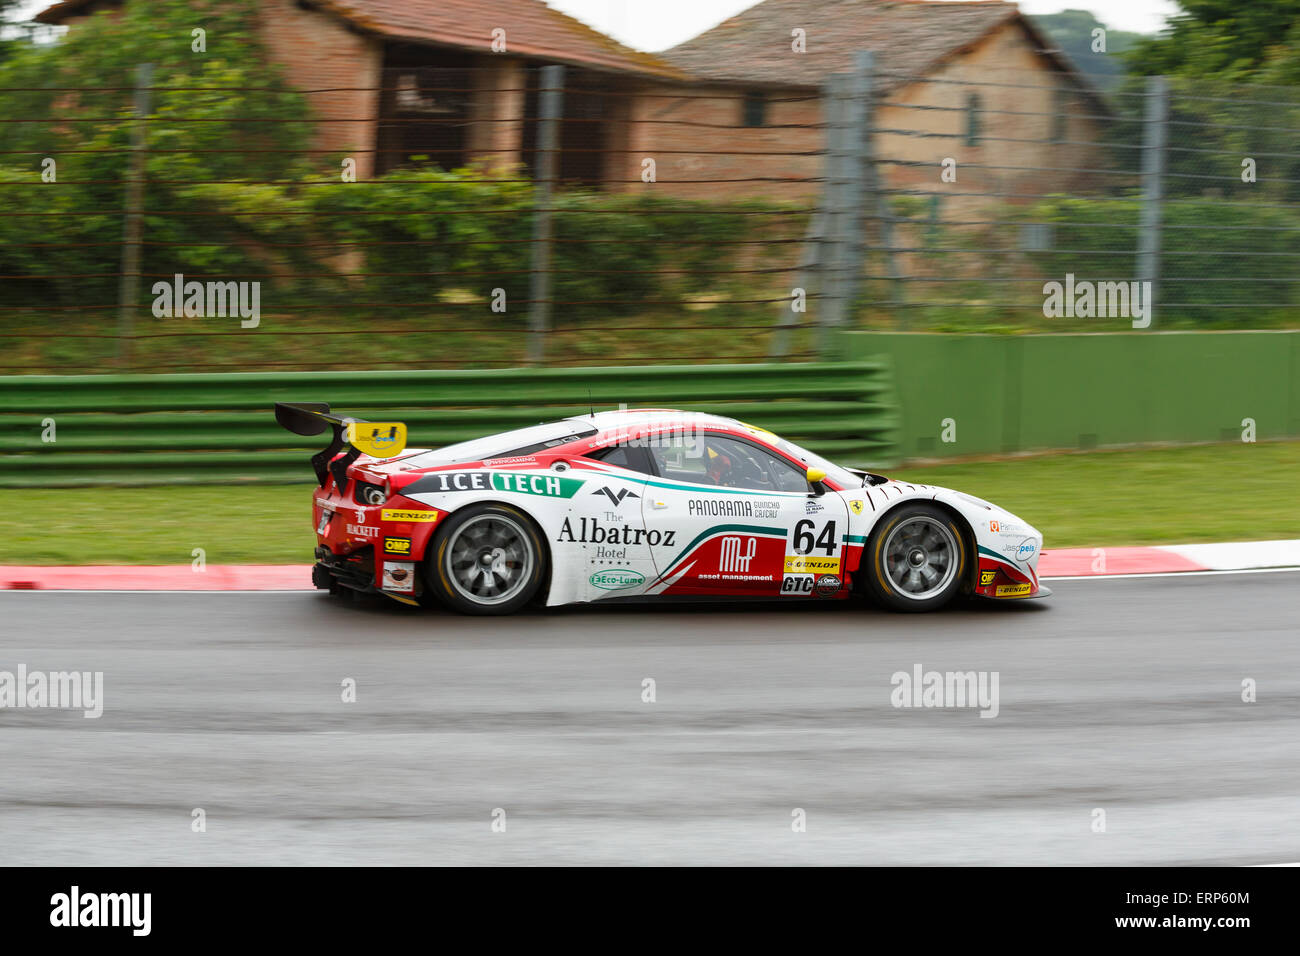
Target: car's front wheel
486, 559
916, 559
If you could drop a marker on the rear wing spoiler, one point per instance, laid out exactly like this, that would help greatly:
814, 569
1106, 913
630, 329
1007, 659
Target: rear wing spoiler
378, 439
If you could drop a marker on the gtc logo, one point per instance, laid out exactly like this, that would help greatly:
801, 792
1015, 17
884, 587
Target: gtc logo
733, 561
615, 497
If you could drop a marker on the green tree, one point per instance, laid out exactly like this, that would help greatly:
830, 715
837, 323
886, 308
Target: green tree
1224, 38
14, 31
219, 114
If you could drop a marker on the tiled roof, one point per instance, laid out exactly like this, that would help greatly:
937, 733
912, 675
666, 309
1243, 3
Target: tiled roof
907, 36
532, 29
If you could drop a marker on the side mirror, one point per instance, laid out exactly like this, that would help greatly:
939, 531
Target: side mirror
815, 478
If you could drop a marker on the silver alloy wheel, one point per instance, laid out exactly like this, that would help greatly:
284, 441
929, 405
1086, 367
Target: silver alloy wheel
489, 559
921, 557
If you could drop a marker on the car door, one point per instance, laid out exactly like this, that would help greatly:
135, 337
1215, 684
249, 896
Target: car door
726, 516
602, 535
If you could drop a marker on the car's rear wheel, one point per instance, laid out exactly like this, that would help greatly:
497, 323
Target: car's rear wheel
916, 559
486, 559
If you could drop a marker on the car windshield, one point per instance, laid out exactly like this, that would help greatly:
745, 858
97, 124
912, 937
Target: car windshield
521, 441
841, 476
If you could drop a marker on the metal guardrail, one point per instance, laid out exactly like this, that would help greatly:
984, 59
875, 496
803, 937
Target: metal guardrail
218, 428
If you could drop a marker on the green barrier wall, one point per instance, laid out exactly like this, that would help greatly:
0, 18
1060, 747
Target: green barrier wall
163, 429
1035, 392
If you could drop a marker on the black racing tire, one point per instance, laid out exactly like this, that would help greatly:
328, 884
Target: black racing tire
486, 559
916, 559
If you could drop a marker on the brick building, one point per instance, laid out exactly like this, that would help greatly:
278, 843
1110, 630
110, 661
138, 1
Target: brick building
455, 80
741, 87
975, 81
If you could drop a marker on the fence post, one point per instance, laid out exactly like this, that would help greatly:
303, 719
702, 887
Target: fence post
550, 107
128, 289
829, 304
846, 99
1154, 128
857, 167
873, 183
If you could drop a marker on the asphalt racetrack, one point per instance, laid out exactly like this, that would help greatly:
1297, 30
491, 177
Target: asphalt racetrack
1118, 694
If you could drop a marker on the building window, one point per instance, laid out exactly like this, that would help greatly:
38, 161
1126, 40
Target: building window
1060, 114
974, 107
754, 110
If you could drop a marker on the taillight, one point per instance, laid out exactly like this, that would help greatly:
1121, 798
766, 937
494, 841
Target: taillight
366, 493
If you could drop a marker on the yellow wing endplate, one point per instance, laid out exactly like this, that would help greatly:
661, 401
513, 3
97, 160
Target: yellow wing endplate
376, 439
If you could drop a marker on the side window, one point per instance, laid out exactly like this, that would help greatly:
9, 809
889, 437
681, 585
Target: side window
1060, 114
622, 456
727, 463
974, 119
680, 459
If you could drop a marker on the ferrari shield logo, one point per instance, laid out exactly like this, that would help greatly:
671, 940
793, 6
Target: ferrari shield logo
377, 439
856, 507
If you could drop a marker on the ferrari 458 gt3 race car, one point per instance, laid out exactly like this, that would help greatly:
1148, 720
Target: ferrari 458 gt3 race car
641, 504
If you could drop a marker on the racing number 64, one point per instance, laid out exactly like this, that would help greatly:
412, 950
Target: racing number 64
805, 542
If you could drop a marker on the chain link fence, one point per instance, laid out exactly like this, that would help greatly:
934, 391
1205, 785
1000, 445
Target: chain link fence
572, 222
542, 233
1013, 201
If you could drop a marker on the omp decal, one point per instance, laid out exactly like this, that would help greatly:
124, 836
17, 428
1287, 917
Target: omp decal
615, 497
987, 577
1013, 590
397, 545
411, 517
1010, 568
617, 579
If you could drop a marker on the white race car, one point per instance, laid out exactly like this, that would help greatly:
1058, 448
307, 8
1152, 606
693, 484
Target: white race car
642, 504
